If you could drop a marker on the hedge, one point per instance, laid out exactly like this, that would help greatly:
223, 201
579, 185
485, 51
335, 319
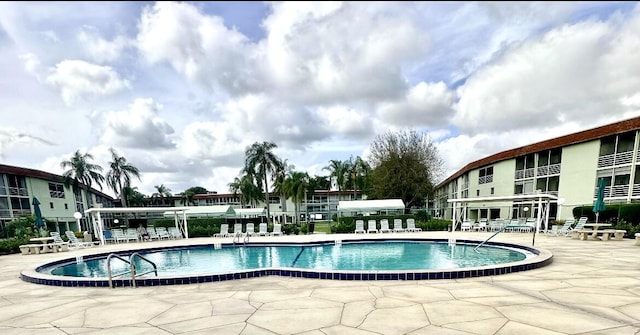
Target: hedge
347, 224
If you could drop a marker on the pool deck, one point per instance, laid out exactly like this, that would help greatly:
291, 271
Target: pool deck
592, 287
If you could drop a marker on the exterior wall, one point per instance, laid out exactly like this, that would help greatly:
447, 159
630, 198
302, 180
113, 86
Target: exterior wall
579, 163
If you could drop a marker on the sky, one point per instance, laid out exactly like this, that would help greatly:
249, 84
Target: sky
181, 89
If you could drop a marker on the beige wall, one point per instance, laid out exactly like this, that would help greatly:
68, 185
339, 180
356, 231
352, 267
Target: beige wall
578, 175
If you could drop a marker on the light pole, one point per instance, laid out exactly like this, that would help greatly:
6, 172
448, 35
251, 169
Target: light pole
116, 221
78, 216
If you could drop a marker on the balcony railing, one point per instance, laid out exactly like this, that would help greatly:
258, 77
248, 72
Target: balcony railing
615, 159
616, 191
526, 173
18, 191
548, 170
56, 194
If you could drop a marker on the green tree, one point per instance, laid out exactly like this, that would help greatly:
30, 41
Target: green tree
187, 198
405, 165
162, 194
339, 171
119, 175
260, 162
197, 190
319, 183
249, 192
81, 173
295, 186
358, 174
279, 177
133, 196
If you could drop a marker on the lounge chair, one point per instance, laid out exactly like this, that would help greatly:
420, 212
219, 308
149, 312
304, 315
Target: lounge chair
565, 230
108, 236
237, 229
372, 226
224, 231
250, 229
118, 235
58, 243
163, 233
482, 225
132, 235
466, 225
411, 226
175, 233
360, 227
397, 226
513, 225
262, 230
277, 230
384, 226
74, 242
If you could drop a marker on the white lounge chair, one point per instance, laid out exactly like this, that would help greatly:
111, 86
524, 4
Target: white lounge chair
360, 227
482, 225
224, 231
163, 233
132, 235
466, 225
262, 230
118, 235
566, 228
74, 242
411, 226
250, 229
175, 233
397, 226
277, 230
384, 226
237, 229
58, 243
372, 226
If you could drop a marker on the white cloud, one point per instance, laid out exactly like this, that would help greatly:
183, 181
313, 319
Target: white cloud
572, 72
345, 121
425, 104
138, 127
31, 63
77, 79
217, 143
100, 49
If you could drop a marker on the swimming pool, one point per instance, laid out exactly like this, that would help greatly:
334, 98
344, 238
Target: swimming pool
384, 259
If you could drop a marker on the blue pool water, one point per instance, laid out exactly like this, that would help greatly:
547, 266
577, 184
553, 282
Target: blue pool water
361, 256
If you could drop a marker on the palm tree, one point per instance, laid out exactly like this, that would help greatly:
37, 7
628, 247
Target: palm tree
187, 198
358, 174
260, 161
295, 187
82, 173
133, 196
162, 192
246, 187
279, 176
119, 176
339, 171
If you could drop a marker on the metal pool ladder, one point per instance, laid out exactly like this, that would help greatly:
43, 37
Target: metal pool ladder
132, 268
236, 238
488, 238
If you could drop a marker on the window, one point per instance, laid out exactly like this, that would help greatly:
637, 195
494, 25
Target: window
555, 156
492, 190
485, 175
543, 158
622, 179
56, 190
51, 205
607, 145
66, 206
477, 193
626, 142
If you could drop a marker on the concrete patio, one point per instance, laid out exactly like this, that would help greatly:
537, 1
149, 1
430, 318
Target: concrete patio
592, 287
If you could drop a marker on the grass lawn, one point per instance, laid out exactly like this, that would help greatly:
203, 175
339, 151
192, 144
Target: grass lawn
322, 227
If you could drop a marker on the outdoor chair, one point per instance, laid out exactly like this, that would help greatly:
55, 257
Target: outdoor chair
74, 242
372, 226
224, 231
262, 230
237, 229
360, 227
384, 226
250, 229
411, 226
277, 230
397, 226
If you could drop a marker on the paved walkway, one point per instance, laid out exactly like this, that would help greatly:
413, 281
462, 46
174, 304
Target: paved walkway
592, 287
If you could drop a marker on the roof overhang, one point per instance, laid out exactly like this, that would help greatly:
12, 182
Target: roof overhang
370, 205
538, 196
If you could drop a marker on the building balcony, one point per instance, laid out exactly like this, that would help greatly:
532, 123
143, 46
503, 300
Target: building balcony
615, 159
618, 191
548, 170
523, 174
485, 179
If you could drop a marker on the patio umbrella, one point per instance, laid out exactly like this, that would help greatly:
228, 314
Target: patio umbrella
599, 205
36, 208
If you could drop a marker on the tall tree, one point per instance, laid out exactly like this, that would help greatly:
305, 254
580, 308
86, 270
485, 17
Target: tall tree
358, 174
187, 198
119, 175
406, 165
197, 190
162, 193
82, 173
279, 177
133, 196
338, 170
260, 162
250, 193
295, 186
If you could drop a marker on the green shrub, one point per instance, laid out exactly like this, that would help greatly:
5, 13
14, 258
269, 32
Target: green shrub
12, 245
290, 229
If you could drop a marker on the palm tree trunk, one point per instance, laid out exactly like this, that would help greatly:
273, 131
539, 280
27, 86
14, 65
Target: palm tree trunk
266, 196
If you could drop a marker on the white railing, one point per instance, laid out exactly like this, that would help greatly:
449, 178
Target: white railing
554, 168
18, 191
18, 212
56, 194
543, 170
5, 214
635, 190
615, 159
615, 191
526, 173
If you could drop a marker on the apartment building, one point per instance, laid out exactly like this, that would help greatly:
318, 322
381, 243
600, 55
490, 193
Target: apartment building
568, 167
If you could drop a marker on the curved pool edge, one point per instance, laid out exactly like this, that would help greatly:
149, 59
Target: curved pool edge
542, 258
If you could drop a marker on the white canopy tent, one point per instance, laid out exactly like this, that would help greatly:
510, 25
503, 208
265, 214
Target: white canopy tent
98, 225
364, 206
542, 201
